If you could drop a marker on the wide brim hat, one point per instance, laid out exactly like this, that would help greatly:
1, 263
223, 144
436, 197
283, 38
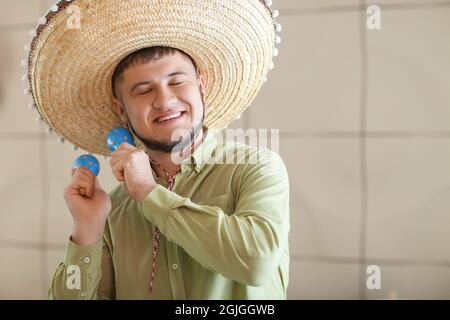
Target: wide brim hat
78, 44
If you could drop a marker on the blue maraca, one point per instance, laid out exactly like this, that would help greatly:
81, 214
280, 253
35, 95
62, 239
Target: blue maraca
91, 163
114, 138
88, 161
118, 135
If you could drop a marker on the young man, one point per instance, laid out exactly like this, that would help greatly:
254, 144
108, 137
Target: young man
178, 226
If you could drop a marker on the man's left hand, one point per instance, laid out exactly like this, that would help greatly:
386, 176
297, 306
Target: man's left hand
132, 166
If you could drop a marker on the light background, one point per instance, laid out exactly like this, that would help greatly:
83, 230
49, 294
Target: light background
364, 119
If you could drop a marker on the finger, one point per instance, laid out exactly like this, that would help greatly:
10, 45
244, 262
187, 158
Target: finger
126, 146
82, 171
84, 185
82, 191
117, 156
118, 171
120, 176
86, 188
86, 180
123, 147
78, 189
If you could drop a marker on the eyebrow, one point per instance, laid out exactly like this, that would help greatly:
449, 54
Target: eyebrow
137, 84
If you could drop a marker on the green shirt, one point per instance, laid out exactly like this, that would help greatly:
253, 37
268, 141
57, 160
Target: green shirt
224, 234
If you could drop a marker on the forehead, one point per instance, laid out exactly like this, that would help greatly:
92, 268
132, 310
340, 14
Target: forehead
161, 66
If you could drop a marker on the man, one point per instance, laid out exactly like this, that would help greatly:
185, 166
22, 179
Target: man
178, 226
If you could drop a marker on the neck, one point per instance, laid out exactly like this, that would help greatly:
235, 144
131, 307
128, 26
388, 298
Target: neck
171, 161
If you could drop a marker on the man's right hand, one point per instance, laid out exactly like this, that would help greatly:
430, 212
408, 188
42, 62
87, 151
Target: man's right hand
89, 211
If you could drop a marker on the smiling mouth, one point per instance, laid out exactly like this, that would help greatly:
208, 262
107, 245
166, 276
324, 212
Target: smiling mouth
170, 119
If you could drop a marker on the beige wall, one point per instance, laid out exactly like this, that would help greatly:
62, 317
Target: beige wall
365, 134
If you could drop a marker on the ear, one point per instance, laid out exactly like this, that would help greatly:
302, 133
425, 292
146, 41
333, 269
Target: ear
120, 109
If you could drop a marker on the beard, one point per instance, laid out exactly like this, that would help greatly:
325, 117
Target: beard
171, 146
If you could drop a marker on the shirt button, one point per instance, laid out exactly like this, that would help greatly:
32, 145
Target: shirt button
86, 260
82, 293
174, 266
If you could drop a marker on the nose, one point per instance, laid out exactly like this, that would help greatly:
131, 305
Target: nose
164, 99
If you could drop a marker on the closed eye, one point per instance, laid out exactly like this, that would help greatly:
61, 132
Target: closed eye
144, 92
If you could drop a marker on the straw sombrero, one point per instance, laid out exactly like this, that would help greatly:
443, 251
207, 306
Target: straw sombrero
69, 69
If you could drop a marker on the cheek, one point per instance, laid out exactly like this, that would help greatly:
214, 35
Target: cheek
196, 104
138, 113
197, 110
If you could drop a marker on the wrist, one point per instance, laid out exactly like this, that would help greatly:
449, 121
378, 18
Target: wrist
145, 192
86, 234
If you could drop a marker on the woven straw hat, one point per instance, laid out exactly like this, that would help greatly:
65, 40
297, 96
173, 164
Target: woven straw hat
69, 69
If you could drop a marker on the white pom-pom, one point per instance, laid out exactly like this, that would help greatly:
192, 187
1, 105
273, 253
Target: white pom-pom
24, 63
42, 20
27, 91
278, 27
38, 119
265, 79
54, 8
271, 65
238, 117
61, 140
49, 130
275, 13
275, 52
31, 106
33, 33
27, 47
277, 39
268, 2
74, 148
24, 77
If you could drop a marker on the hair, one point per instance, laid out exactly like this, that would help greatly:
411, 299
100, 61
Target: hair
143, 56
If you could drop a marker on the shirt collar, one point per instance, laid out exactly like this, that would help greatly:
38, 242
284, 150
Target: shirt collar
202, 153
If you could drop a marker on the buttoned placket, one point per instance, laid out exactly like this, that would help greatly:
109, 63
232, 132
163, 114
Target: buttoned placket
172, 255
173, 260
172, 250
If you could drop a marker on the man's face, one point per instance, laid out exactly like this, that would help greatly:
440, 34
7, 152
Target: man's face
150, 91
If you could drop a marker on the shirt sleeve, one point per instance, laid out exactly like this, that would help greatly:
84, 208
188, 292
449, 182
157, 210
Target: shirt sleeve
245, 246
86, 273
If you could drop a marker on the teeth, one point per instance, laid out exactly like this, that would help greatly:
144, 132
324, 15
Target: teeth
175, 115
